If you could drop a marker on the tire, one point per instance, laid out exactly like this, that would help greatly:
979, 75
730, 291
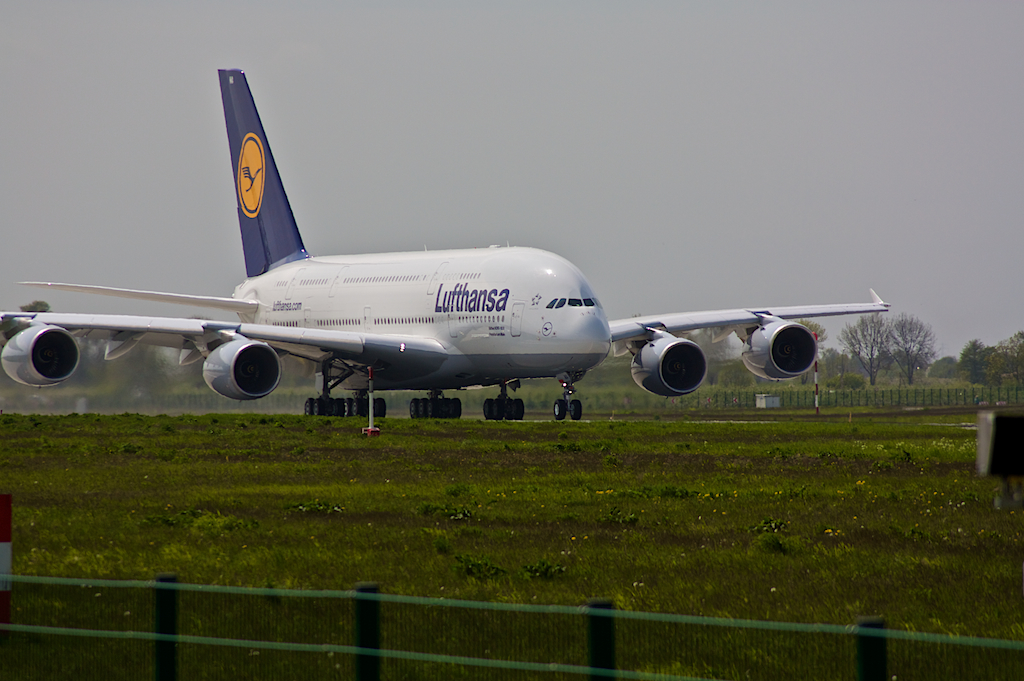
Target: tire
350, 407
518, 411
575, 410
560, 408
380, 407
319, 407
489, 409
307, 408
456, 408
413, 409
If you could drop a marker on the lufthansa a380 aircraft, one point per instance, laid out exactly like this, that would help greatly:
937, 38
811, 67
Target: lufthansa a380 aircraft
430, 321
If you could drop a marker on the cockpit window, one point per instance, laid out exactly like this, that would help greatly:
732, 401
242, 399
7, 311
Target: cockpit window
552, 303
575, 302
589, 302
560, 303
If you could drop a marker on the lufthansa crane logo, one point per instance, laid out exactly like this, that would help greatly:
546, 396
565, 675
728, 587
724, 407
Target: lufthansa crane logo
250, 175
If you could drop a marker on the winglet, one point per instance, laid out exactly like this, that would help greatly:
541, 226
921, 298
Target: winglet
876, 300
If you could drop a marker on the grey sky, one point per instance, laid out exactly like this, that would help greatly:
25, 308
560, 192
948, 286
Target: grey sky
685, 156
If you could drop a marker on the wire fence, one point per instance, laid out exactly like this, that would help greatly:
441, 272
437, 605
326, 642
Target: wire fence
101, 629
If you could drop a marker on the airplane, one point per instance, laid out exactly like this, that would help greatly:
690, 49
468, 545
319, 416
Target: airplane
431, 321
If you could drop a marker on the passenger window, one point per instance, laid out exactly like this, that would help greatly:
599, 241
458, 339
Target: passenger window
575, 302
589, 302
552, 303
560, 303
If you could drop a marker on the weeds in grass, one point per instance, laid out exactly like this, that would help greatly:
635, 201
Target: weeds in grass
481, 567
543, 569
768, 525
616, 515
315, 506
450, 512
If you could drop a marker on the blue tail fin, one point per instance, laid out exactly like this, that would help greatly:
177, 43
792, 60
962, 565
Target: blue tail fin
270, 236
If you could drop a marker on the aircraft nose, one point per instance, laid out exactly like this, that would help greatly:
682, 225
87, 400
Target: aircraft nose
590, 333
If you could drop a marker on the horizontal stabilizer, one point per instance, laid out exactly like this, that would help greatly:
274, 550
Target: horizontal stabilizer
231, 304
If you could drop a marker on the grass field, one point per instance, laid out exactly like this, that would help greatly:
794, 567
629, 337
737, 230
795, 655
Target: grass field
859, 513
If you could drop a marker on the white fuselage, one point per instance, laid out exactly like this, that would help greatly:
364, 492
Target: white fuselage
489, 307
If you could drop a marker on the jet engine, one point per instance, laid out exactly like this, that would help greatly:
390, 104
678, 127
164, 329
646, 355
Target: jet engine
780, 350
242, 369
40, 355
669, 366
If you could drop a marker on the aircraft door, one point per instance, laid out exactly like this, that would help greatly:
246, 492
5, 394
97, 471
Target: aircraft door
432, 288
294, 283
367, 318
517, 318
340, 277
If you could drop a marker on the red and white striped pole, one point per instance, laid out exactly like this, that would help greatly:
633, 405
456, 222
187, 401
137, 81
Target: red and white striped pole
5, 561
816, 409
372, 430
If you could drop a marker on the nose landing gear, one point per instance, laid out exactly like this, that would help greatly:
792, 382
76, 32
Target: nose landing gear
565, 406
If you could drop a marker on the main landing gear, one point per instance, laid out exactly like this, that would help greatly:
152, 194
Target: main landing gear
574, 408
357, 406
330, 375
435, 407
504, 408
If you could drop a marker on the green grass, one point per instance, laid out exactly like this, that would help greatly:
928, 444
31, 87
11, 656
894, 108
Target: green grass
789, 521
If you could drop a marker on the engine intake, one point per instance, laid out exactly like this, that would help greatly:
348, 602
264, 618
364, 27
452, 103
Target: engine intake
243, 370
780, 350
41, 355
669, 366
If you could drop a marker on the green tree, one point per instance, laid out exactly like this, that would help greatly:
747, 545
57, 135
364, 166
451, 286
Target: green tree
973, 358
36, 306
944, 367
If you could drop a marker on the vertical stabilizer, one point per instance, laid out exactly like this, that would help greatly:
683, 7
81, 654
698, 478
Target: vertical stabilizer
270, 236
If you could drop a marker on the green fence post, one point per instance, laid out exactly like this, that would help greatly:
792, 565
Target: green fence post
602, 637
165, 616
367, 631
871, 651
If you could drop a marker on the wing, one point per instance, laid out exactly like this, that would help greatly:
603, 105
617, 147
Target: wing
411, 355
230, 304
641, 328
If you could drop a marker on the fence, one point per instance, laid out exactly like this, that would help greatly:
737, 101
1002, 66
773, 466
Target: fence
872, 397
86, 629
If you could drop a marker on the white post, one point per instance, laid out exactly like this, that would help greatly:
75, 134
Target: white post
5, 561
370, 431
369, 397
816, 409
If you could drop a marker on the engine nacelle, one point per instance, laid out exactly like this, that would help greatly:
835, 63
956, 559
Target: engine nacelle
243, 370
669, 366
780, 350
40, 355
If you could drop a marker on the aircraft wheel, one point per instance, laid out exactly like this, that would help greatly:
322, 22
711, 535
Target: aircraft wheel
518, 410
413, 408
319, 408
456, 408
350, 407
560, 408
575, 410
380, 407
489, 409
307, 408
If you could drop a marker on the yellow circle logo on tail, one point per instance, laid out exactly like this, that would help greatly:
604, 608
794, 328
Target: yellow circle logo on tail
250, 175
